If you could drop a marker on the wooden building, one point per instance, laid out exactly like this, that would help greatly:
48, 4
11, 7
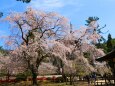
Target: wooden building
110, 59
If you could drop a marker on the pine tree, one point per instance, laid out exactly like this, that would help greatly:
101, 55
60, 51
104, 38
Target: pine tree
24, 1
109, 43
98, 29
1, 14
90, 19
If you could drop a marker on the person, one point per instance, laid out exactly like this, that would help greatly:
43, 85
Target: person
94, 78
88, 79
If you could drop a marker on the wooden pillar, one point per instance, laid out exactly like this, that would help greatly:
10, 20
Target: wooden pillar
114, 69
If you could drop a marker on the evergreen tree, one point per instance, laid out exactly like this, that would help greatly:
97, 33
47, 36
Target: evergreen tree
113, 43
1, 14
109, 43
24, 1
98, 29
90, 19
3, 51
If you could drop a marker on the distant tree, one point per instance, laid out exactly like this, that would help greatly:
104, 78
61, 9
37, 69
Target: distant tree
109, 43
98, 29
90, 19
113, 42
1, 14
3, 51
24, 1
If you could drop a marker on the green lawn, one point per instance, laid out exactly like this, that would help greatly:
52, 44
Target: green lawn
81, 83
63, 84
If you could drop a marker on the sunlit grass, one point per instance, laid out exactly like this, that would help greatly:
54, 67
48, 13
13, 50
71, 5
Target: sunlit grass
29, 83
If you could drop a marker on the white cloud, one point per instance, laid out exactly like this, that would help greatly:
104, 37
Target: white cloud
52, 4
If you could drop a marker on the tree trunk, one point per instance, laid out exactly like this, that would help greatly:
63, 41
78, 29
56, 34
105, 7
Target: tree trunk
34, 79
71, 80
34, 75
64, 77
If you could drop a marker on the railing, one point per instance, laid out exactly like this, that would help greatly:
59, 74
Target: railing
104, 81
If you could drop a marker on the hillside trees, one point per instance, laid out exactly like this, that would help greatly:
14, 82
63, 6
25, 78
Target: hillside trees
108, 45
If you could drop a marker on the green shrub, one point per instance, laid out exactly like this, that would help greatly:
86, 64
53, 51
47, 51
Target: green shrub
59, 79
21, 77
49, 78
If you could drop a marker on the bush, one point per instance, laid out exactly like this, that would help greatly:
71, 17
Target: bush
49, 78
21, 77
59, 79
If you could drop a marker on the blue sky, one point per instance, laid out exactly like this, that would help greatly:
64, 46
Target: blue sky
76, 10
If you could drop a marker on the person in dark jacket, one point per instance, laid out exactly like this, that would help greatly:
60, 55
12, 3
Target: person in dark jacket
88, 79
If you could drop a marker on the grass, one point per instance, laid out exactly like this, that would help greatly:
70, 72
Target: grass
23, 83
63, 84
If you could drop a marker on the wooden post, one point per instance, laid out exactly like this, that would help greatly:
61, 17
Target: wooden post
114, 69
114, 74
